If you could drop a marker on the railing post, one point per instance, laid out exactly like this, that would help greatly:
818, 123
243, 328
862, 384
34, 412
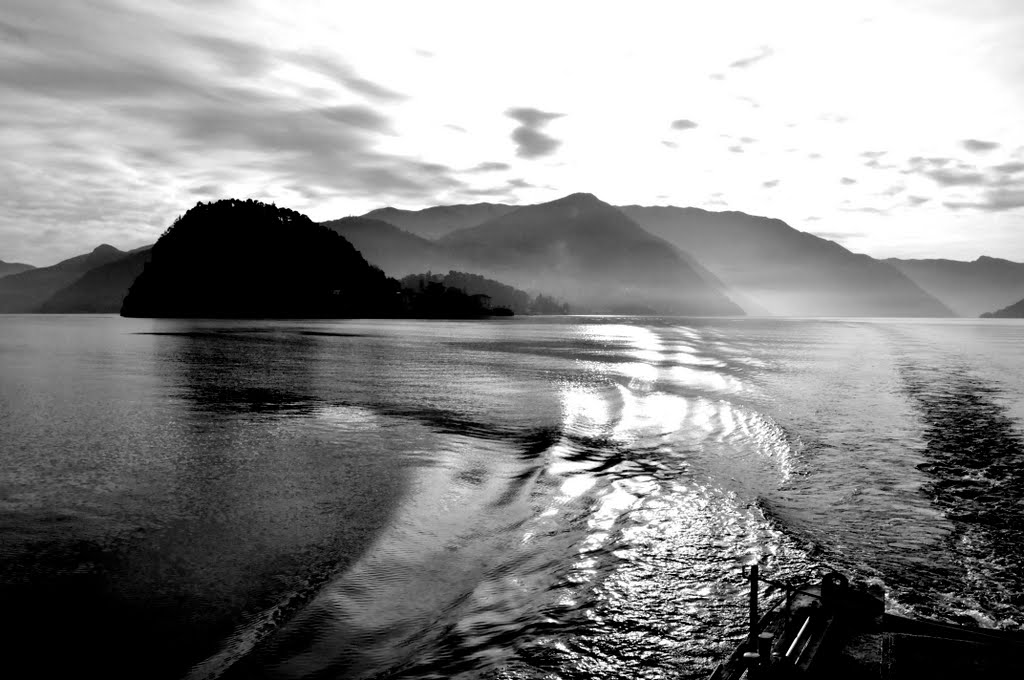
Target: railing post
752, 638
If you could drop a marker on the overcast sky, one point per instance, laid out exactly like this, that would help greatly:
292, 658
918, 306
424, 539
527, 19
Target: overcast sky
894, 127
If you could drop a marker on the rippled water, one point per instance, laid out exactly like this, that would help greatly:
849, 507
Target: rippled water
515, 499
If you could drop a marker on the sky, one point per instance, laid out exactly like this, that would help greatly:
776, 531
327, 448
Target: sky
894, 127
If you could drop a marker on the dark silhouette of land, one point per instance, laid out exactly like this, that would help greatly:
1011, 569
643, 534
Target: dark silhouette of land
100, 290
772, 267
433, 223
247, 259
499, 295
1014, 311
576, 250
27, 291
969, 288
394, 250
8, 268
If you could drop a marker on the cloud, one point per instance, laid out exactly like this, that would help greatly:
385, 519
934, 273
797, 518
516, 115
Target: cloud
669, 144
342, 73
504, 190
995, 189
357, 116
836, 118
530, 141
13, 33
847, 181
116, 118
917, 200
979, 146
207, 190
490, 166
683, 124
1009, 168
866, 209
946, 172
771, 183
736, 148
839, 236
747, 62
997, 200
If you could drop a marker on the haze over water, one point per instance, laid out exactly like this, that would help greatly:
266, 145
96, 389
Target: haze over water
540, 497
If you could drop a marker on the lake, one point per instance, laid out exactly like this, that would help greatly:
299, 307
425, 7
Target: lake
559, 497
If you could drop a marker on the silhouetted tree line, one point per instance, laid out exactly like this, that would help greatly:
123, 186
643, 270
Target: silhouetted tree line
248, 259
501, 296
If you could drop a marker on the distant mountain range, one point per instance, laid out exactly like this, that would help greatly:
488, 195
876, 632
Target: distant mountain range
7, 268
589, 253
788, 272
433, 223
968, 288
100, 290
397, 252
29, 290
600, 259
1014, 311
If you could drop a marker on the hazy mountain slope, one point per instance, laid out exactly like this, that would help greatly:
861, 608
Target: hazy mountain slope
433, 223
968, 288
99, 290
590, 254
397, 252
27, 291
1014, 311
8, 268
784, 271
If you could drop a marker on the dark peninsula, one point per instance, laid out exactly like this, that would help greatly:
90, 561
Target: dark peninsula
1014, 311
247, 259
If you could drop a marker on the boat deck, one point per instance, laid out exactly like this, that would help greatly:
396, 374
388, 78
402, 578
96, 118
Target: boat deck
841, 632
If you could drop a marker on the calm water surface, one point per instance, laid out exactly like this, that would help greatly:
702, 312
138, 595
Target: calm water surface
515, 499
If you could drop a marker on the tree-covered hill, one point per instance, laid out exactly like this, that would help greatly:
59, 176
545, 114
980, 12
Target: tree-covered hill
499, 294
234, 258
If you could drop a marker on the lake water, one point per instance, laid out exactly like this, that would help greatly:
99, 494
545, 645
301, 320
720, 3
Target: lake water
517, 499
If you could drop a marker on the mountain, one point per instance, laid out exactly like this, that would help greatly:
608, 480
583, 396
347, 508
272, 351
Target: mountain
7, 268
589, 253
397, 252
247, 259
100, 290
968, 288
433, 223
499, 294
1014, 311
27, 291
786, 272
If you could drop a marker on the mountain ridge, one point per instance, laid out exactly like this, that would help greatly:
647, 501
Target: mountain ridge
26, 291
785, 271
589, 253
8, 268
970, 288
434, 222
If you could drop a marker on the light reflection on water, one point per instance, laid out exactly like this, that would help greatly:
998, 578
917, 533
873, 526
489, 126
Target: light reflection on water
526, 499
